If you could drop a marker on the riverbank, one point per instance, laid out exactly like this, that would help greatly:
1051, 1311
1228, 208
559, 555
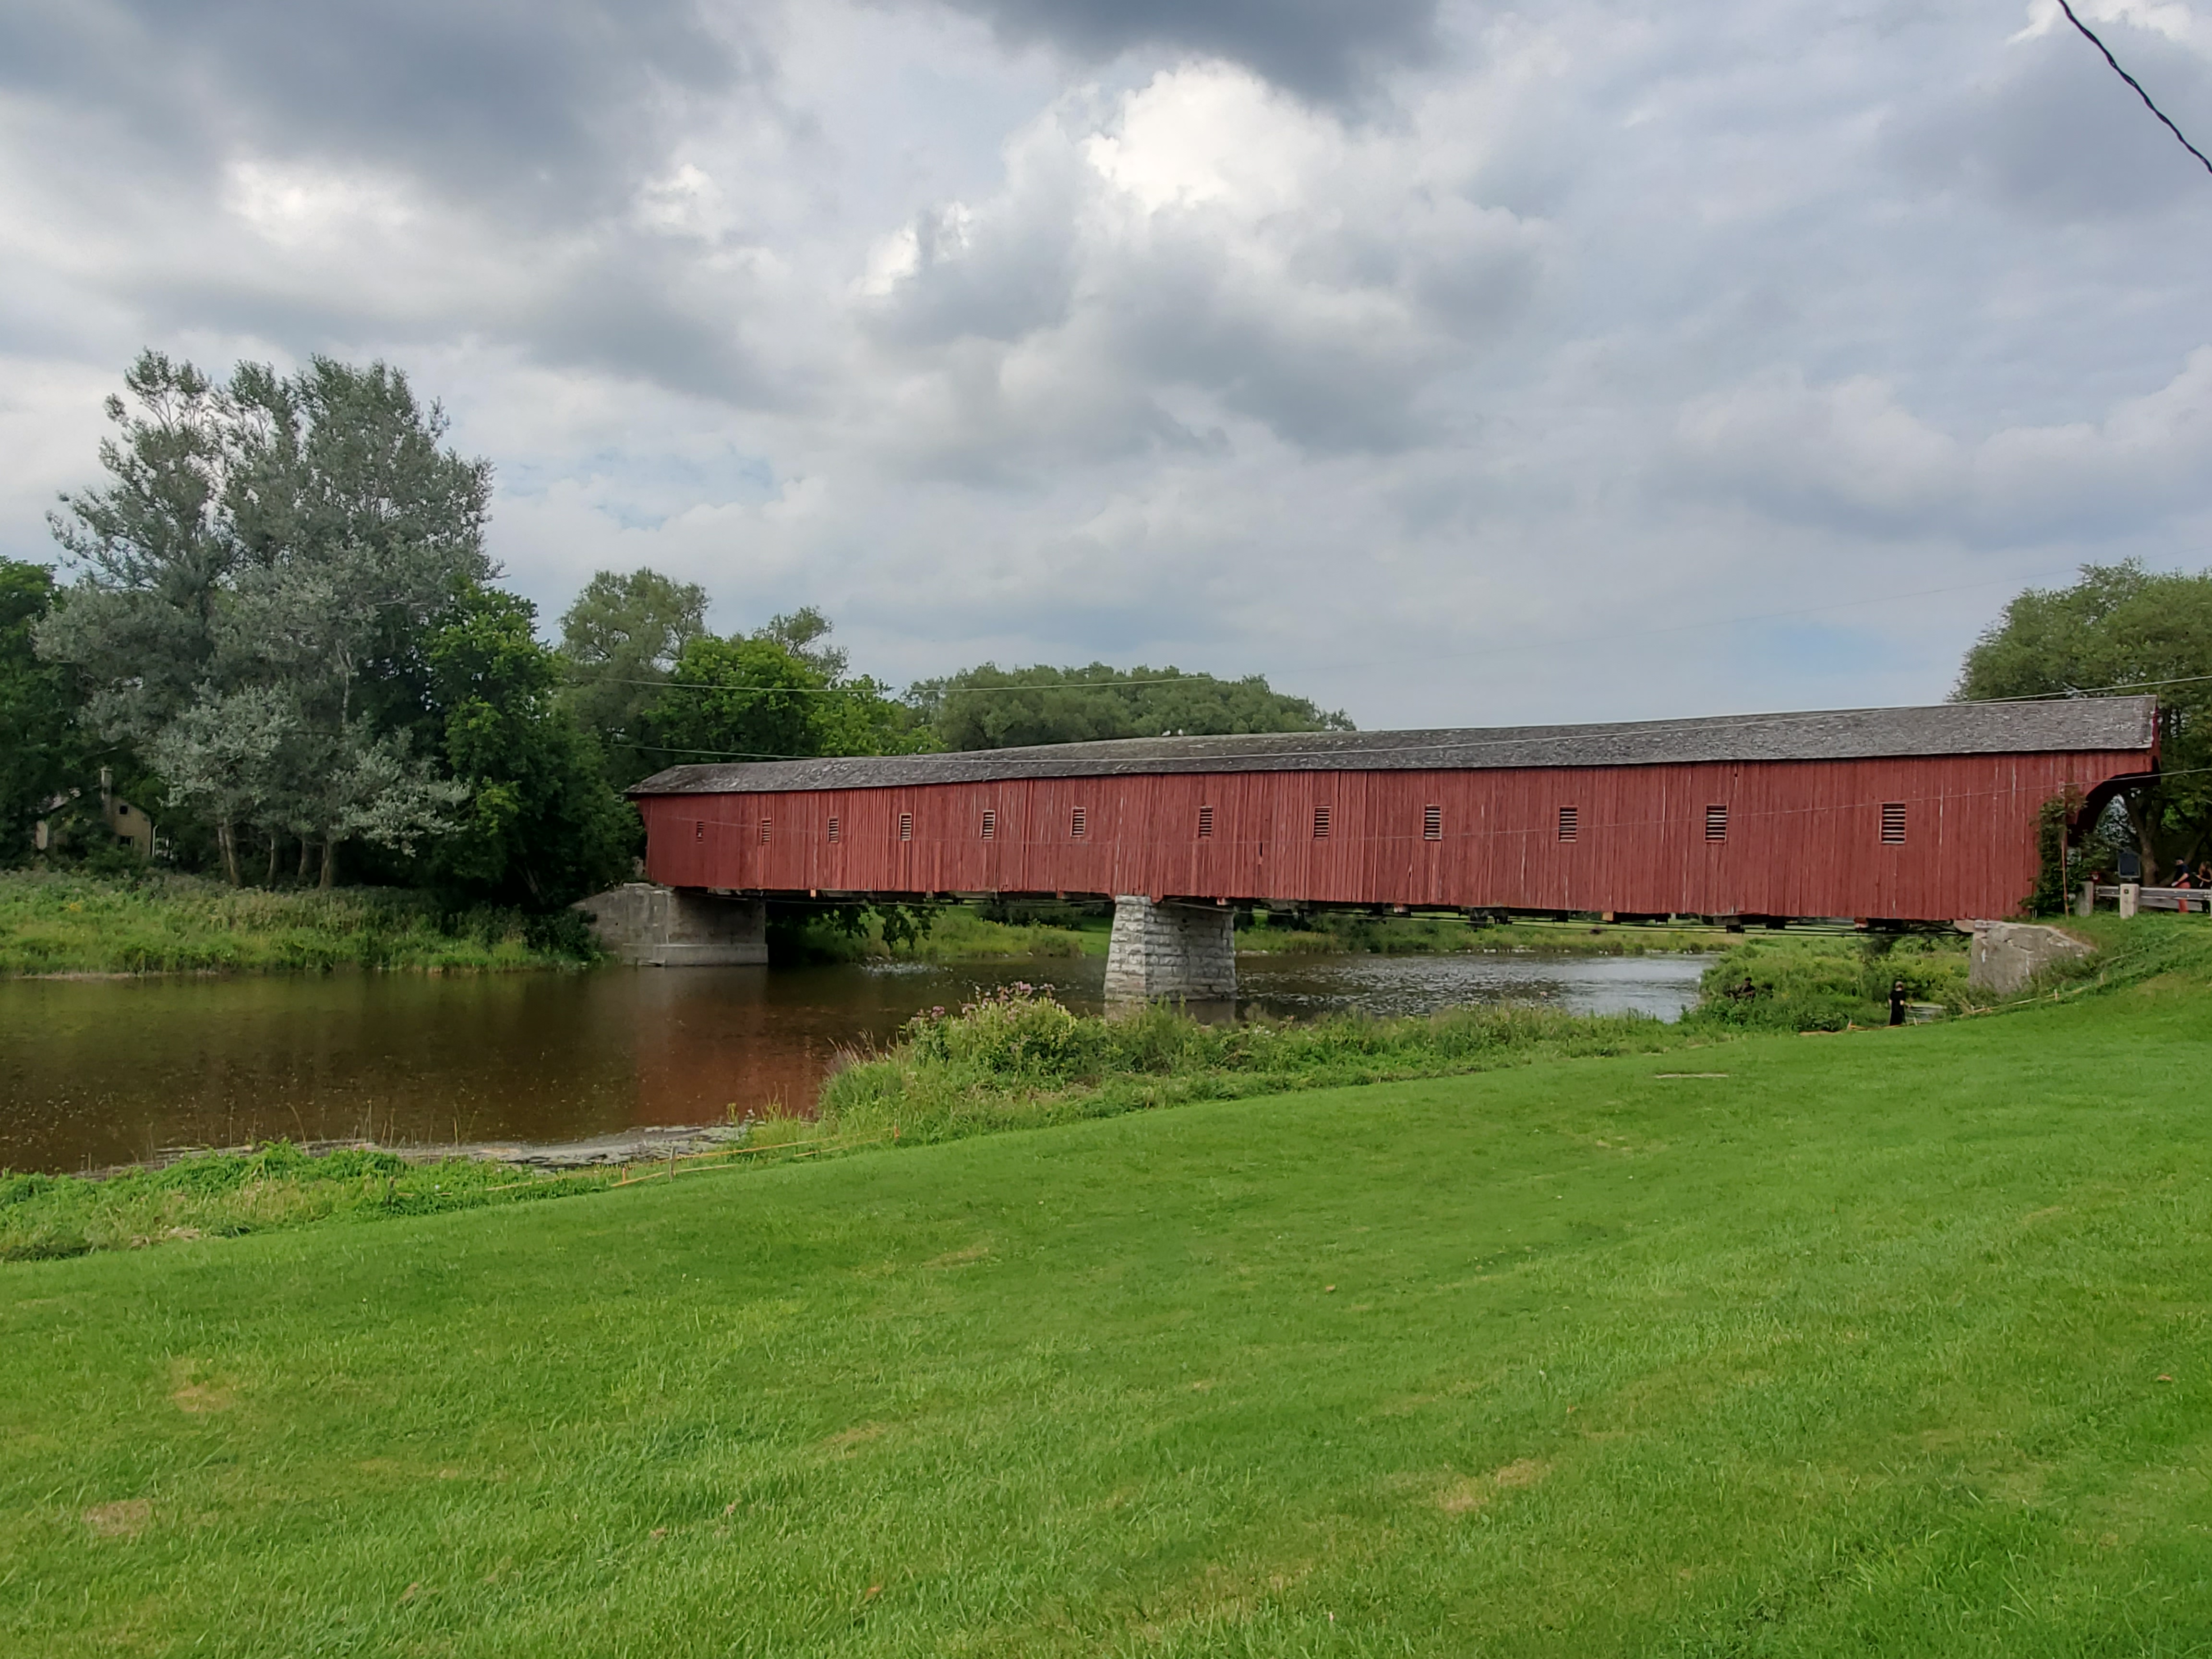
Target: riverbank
59, 923
1884, 1341
160, 922
1013, 1058
970, 932
1329, 932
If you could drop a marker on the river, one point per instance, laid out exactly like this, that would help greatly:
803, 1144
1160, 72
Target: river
95, 1073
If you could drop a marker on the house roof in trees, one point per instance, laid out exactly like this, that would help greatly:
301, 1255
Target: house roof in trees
2104, 725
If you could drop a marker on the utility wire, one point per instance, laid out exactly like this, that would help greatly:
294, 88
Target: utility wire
2091, 36
1485, 651
1525, 736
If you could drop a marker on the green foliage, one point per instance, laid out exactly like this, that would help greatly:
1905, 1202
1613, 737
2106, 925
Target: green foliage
228, 1195
1779, 983
42, 751
156, 922
2056, 870
765, 697
2121, 626
1333, 932
991, 708
257, 583
919, 932
543, 827
1018, 1058
619, 643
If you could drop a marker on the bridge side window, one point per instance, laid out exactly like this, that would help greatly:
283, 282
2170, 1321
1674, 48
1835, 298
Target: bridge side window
836, 830
1205, 823
764, 824
1717, 823
990, 825
906, 826
1893, 823
1570, 823
1433, 824
1077, 823
1321, 824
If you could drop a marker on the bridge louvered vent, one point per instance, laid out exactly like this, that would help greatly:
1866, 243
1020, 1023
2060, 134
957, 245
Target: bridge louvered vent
699, 830
906, 826
837, 830
1893, 822
764, 827
1077, 823
1570, 823
1433, 824
1205, 823
1321, 824
1717, 823
990, 825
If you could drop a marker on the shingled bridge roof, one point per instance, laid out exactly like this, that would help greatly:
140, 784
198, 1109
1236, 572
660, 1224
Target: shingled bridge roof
2056, 725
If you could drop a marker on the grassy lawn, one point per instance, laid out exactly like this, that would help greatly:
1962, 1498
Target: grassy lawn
1888, 1342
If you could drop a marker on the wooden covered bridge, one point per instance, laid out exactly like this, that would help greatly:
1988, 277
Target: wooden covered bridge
1878, 815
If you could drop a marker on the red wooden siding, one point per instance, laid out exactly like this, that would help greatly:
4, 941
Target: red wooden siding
1803, 838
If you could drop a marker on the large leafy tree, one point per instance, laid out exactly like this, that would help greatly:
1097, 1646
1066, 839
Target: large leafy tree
2121, 628
778, 693
41, 744
255, 584
619, 643
993, 708
544, 826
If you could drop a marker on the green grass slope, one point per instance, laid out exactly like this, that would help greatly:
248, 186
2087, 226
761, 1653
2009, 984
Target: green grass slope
1894, 1342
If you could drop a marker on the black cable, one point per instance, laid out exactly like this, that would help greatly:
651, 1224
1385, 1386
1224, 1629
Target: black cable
2090, 35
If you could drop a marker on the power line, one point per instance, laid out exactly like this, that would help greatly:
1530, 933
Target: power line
1492, 651
2090, 35
1524, 738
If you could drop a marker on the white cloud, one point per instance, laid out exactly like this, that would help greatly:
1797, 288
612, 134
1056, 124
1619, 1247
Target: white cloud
1444, 362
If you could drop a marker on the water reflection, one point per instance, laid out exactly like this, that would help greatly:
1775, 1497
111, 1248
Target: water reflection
101, 1072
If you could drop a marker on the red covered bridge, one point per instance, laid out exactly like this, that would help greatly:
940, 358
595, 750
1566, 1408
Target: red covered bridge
1893, 814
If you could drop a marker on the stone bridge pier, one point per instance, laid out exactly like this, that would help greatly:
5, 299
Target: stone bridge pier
678, 926
1175, 951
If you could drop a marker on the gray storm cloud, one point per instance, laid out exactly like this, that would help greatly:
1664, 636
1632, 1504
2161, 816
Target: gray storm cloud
1312, 338
1322, 48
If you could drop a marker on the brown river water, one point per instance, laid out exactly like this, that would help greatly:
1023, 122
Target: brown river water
95, 1073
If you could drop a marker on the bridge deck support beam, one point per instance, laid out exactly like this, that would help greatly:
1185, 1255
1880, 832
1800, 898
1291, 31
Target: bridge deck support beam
678, 926
1170, 950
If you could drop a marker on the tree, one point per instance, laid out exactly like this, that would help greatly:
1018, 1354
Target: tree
544, 827
775, 694
991, 708
2120, 627
154, 554
619, 643
740, 699
257, 583
41, 745
221, 755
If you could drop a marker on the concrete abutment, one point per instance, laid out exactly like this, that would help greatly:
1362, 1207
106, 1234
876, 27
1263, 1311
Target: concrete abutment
1169, 950
678, 926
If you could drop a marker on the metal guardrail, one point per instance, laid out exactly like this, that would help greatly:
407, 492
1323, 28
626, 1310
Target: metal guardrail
2130, 898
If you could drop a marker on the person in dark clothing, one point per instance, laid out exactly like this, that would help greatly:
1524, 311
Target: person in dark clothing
1897, 1002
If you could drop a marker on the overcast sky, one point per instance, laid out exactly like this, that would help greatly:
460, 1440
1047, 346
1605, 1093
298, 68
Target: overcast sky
1450, 362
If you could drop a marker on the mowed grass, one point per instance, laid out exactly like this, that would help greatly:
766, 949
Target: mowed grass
1894, 1342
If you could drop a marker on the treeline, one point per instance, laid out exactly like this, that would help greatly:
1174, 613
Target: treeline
284, 636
